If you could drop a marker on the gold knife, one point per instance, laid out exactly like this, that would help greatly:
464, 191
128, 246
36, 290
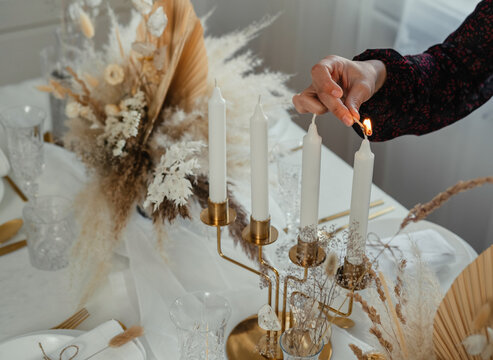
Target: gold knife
16, 188
7, 249
341, 214
370, 217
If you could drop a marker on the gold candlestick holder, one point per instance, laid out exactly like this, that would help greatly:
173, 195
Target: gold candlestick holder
247, 341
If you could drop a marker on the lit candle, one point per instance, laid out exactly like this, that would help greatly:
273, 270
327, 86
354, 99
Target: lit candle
310, 176
360, 201
259, 165
217, 147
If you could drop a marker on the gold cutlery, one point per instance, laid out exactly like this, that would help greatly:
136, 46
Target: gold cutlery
371, 217
341, 214
16, 188
48, 137
9, 229
7, 249
73, 321
346, 212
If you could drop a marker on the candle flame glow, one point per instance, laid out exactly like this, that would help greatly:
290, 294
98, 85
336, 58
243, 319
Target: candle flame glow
367, 126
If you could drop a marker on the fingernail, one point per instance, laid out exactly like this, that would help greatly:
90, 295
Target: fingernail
348, 120
334, 92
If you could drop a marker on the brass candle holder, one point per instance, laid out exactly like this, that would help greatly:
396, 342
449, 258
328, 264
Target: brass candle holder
248, 341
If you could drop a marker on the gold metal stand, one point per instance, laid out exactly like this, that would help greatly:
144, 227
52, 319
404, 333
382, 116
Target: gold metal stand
248, 341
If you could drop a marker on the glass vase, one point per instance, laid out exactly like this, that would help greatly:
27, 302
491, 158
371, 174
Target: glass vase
297, 344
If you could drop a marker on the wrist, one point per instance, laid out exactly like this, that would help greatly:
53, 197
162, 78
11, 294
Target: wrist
380, 72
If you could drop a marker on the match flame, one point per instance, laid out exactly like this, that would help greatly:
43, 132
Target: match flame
367, 126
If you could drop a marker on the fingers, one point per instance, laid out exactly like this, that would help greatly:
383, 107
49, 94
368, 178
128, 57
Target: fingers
337, 107
308, 102
325, 75
357, 95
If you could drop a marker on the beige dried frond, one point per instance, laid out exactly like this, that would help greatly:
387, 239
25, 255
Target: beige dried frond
86, 25
357, 352
185, 77
421, 211
482, 317
44, 88
126, 336
454, 320
331, 264
398, 328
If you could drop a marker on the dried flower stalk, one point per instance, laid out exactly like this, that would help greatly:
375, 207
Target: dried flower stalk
420, 212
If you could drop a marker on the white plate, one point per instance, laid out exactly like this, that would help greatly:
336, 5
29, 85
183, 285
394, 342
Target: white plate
26, 347
464, 252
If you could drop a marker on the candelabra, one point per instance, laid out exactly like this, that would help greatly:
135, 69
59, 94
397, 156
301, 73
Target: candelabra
248, 341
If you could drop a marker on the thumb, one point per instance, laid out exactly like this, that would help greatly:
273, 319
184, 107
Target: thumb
357, 95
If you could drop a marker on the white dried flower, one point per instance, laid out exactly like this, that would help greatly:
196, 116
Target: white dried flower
114, 74
474, 344
487, 353
74, 11
136, 102
157, 22
86, 24
72, 110
87, 113
93, 3
143, 48
111, 110
171, 175
118, 149
143, 6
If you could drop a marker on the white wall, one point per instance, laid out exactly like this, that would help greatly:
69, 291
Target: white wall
412, 169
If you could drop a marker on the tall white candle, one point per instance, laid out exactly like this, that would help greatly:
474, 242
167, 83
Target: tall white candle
217, 147
360, 202
310, 176
259, 165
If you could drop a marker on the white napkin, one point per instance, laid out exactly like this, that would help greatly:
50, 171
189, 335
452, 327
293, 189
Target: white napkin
94, 345
434, 248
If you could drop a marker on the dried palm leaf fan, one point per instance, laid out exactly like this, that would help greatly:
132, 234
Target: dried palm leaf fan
185, 73
455, 316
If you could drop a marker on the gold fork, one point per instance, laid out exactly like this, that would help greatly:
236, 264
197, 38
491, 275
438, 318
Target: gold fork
73, 321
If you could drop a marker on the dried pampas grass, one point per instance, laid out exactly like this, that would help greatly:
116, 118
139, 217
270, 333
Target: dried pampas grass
126, 336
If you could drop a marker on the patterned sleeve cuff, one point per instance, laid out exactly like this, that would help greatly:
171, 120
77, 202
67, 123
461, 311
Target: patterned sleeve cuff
387, 105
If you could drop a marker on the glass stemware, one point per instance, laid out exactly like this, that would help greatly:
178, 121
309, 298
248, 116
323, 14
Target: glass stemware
200, 319
24, 131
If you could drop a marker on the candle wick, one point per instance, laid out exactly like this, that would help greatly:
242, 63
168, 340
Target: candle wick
215, 82
259, 97
313, 118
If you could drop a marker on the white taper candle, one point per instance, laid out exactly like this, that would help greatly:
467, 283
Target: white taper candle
360, 202
217, 147
259, 164
310, 176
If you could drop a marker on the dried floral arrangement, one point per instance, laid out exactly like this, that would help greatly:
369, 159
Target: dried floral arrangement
402, 312
137, 117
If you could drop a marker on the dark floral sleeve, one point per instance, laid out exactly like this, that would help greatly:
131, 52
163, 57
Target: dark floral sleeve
425, 92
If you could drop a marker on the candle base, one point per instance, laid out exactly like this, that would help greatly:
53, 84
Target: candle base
218, 214
260, 233
353, 277
307, 254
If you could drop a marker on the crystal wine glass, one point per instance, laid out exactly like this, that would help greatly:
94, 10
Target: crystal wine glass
24, 130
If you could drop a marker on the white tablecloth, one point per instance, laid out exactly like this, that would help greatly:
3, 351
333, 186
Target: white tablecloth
34, 300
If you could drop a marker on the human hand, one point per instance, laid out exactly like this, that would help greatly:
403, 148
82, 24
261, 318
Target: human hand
340, 86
